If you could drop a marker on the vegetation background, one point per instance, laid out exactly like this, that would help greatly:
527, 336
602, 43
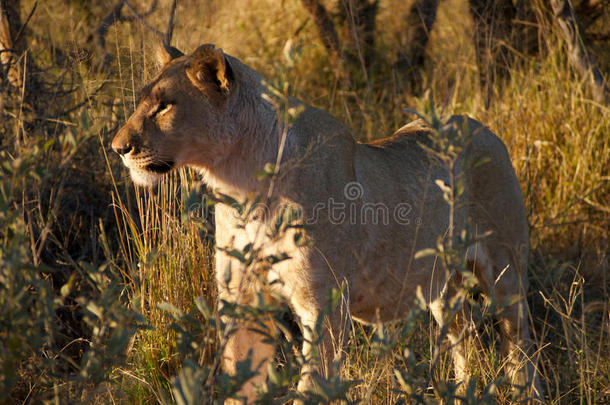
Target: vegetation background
105, 289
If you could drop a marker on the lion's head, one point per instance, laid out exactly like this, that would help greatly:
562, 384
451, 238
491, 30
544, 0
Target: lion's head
180, 116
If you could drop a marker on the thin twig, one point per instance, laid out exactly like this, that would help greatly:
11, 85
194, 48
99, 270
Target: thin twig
85, 101
27, 20
151, 9
99, 34
326, 29
114, 16
579, 56
170, 24
589, 11
143, 21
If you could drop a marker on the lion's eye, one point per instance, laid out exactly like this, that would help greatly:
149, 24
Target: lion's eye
162, 108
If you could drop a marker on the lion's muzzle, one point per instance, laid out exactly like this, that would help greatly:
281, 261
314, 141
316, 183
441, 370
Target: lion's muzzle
121, 143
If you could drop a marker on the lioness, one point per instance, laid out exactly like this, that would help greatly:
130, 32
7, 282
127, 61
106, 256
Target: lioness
207, 110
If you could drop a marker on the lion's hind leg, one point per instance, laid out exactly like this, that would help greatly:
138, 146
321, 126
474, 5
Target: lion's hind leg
510, 287
458, 339
461, 332
501, 275
518, 348
461, 328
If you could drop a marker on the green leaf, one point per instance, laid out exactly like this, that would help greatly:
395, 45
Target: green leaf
299, 239
239, 255
227, 274
173, 310
67, 288
420, 254
186, 386
203, 307
273, 259
268, 171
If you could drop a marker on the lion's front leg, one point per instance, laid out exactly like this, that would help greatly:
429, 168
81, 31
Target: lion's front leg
325, 333
245, 341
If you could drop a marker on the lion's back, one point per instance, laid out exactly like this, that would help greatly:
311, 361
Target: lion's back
492, 193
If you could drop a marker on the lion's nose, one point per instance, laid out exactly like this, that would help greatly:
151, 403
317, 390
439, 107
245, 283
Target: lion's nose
122, 149
121, 143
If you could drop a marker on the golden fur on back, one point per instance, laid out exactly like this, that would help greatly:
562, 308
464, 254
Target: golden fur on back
369, 207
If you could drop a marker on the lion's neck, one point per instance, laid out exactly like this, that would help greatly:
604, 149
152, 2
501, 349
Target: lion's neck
256, 132
260, 136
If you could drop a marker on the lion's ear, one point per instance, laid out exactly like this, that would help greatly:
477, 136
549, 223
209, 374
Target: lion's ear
208, 65
166, 53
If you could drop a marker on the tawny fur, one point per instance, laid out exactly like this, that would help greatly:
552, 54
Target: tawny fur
217, 121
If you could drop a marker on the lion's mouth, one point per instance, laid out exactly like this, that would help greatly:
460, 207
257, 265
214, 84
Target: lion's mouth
147, 170
159, 167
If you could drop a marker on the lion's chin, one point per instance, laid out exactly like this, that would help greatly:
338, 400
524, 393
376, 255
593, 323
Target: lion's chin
144, 178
